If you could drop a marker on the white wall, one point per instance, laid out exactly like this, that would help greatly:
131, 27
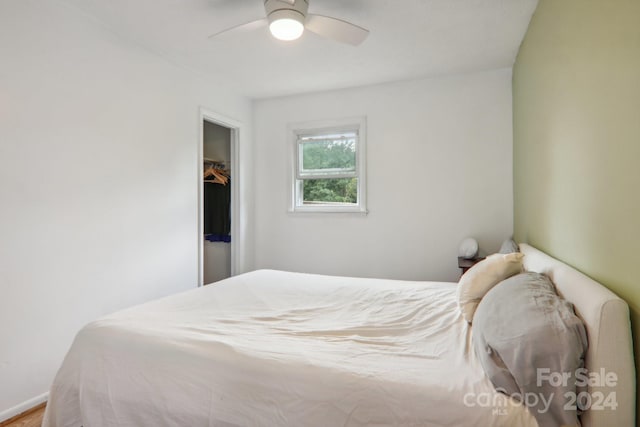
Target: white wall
98, 170
439, 169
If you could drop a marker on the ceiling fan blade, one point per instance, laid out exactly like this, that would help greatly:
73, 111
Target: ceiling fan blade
239, 29
336, 29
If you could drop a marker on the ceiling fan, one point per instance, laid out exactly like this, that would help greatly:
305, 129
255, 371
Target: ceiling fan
287, 20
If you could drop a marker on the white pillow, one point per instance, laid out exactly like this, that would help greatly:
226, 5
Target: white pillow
483, 276
509, 246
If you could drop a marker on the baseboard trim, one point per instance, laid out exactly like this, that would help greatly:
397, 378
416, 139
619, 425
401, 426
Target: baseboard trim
23, 407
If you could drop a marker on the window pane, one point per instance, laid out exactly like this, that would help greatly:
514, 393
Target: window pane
330, 191
329, 153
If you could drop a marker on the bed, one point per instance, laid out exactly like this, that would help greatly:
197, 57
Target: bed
273, 348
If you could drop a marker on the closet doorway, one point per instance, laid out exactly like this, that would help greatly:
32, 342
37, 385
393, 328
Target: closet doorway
218, 167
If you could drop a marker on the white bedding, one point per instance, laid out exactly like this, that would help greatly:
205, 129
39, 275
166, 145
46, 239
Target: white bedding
271, 348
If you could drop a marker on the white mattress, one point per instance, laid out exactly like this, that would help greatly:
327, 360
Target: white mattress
272, 348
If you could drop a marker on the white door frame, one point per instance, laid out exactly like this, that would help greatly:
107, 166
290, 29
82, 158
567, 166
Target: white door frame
236, 128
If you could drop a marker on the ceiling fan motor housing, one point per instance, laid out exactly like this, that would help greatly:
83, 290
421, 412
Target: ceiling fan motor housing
282, 9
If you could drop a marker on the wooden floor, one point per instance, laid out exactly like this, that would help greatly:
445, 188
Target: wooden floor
31, 418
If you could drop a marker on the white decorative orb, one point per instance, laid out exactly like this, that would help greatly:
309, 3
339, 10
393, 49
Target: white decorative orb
468, 248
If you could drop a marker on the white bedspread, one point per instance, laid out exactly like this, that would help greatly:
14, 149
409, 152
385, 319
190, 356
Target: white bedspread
271, 348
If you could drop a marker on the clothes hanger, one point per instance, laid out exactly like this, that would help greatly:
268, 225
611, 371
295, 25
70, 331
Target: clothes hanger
216, 169
219, 178
208, 172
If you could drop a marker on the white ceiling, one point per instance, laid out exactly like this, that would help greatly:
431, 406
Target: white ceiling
409, 39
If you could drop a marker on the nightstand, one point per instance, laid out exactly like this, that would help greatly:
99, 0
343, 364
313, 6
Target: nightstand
464, 264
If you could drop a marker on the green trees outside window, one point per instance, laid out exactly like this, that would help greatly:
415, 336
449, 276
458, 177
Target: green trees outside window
330, 157
341, 190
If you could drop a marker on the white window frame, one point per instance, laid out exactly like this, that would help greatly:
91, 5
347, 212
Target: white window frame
296, 130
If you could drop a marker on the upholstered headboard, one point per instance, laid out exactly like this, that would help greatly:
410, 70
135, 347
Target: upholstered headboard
609, 332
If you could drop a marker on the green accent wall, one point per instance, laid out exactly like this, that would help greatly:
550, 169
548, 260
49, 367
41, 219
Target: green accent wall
576, 95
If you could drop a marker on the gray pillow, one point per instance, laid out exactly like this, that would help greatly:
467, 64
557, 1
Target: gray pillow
509, 246
522, 326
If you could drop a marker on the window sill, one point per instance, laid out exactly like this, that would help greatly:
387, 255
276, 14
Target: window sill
357, 210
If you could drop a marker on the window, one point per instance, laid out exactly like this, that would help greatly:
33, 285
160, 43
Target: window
328, 166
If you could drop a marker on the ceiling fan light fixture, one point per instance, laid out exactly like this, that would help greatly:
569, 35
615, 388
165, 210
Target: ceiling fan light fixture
286, 24
289, 19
